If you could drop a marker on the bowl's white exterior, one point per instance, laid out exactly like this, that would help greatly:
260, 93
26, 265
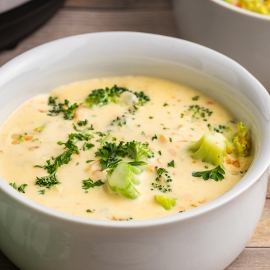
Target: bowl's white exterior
207, 238
242, 35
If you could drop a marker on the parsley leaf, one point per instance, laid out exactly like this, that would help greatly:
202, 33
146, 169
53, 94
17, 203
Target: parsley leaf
66, 108
13, 185
89, 183
171, 164
83, 123
196, 98
52, 165
215, 174
41, 191
87, 146
22, 187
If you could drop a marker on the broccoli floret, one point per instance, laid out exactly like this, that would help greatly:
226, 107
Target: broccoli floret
105, 96
137, 150
122, 180
210, 148
108, 95
121, 176
241, 142
165, 202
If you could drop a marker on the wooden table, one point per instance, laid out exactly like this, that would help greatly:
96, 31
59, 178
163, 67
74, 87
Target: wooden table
151, 16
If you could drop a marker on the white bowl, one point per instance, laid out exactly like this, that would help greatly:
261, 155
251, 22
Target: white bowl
240, 34
208, 237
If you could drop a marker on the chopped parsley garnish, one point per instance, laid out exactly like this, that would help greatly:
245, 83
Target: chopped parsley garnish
87, 146
165, 104
83, 123
100, 134
111, 154
89, 211
171, 164
89, 160
41, 191
215, 174
89, 183
170, 139
22, 187
13, 185
154, 137
53, 164
151, 117
159, 152
66, 108
85, 130
195, 98
47, 181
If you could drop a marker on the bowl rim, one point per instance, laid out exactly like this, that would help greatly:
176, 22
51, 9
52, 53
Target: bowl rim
190, 214
242, 11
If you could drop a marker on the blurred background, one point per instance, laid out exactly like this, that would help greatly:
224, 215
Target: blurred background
41, 21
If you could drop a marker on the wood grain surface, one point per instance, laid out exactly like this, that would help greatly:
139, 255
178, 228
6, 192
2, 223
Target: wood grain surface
150, 16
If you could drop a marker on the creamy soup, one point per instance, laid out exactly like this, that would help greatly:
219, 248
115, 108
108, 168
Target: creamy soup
75, 150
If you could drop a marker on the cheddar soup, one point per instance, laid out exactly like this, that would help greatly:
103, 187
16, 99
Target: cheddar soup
118, 149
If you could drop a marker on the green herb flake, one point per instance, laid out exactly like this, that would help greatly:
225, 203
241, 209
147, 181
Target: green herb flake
159, 152
89, 183
170, 139
87, 146
89, 211
195, 98
89, 160
13, 185
41, 191
215, 174
171, 164
66, 108
151, 117
39, 129
22, 187
154, 137
83, 123
165, 104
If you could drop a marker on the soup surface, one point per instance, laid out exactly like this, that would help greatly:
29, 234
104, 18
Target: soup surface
121, 152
